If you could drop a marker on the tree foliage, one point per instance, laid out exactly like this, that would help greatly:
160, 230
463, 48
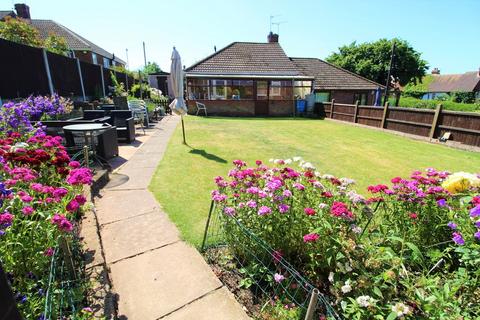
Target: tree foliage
371, 60
151, 67
17, 30
56, 44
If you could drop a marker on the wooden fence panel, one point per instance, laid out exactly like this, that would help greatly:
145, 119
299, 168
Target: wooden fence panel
64, 72
91, 79
412, 121
344, 112
370, 115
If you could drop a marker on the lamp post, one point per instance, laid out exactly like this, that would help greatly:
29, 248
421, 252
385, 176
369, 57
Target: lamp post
389, 71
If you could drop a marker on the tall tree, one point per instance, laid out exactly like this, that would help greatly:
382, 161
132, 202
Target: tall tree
17, 30
372, 59
151, 67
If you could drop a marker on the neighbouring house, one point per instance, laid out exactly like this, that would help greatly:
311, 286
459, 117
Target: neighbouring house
258, 79
332, 82
82, 48
441, 84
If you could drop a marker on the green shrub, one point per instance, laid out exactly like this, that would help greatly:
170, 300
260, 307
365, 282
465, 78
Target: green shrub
135, 90
410, 102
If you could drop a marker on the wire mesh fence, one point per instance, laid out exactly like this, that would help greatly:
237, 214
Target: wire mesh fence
263, 270
67, 283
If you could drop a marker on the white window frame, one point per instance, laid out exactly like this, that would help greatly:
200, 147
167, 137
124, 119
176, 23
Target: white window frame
94, 58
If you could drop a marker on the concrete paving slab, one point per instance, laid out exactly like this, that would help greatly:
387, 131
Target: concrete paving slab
91, 240
161, 281
122, 204
217, 305
136, 235
139, 178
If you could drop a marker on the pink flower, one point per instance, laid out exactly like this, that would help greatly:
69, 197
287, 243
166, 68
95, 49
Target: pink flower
396, 180
73, 206
278, 277
26, 198
258, 162
80, 199
38, 187
340, 209
251, 204
6, 218
79, 176
229, 211
309, 211
253, 190
299, 186
239, 163
59, 193
311, 237
74, 164
27, 210
287, 193
264, 210
413, 215
62, 223
277, 256
48, 252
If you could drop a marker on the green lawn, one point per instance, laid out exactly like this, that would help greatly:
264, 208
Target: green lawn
184, 178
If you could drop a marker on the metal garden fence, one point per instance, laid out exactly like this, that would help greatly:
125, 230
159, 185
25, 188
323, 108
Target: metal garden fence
258, 263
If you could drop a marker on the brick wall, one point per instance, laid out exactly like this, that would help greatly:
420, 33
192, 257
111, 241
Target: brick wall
85, 56
281, 108
347, 96
225, 107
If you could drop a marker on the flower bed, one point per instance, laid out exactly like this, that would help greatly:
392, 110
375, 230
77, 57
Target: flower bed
41, 197
411, 250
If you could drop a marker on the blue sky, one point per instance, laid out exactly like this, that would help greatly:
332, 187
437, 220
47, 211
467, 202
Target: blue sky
446, 32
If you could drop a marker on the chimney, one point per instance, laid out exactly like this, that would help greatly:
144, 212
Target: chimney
436, 71
23, 11
272, 37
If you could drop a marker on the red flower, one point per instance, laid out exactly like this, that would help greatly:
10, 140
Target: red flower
413, 215
309, 211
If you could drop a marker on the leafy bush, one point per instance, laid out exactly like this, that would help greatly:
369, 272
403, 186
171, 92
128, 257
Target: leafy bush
411, 250
56, 44
118, 87
19, 31
409, 102
135, 90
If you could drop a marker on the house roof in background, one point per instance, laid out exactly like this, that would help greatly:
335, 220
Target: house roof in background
6, 13
465, 82
74, 40
330, 77
249, 59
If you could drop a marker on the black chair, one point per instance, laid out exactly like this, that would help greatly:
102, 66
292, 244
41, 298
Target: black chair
106, 145
97, 116
107, 108
125, 124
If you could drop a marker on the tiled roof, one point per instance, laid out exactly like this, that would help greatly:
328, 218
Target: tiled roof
247, 58
330, 77
74, 40
465, 82
4, 13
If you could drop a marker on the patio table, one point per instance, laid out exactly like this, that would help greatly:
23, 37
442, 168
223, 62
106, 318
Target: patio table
89, 132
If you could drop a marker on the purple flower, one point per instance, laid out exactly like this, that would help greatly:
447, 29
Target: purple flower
477, 235
287, 193
477, 224
229, 211
475, 212
283, 208
278, 277
264, 210
442, 203
251, 204
458, 239
452, 225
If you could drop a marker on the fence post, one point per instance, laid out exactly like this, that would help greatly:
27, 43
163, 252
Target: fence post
331, 108
47, 68
103, 80
312, 305
384, 117
8, 307
435, 121
356, 111
126, 81
207, 225
81, 78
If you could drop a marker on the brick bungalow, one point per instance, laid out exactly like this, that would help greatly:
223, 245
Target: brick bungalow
449, 83
259, 79
80, 47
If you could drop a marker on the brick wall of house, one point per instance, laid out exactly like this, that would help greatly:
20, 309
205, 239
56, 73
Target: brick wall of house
224, 107
347, 96
85, 56
281, 108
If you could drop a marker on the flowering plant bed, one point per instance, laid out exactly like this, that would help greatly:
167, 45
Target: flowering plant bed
410, 250
41, 198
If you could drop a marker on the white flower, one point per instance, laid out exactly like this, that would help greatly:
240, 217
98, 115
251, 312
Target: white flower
277, 161
271, 160
317, 184
348, 268
330, 277
296, 159
356, 229
307, 165
327, 176
323, 205
317, 174
343, 304
288, 161
365, 301
19, 145
355, 197
347, 181
346, 288
401, 309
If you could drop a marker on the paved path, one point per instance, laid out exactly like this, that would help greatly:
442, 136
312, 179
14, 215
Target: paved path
155, 274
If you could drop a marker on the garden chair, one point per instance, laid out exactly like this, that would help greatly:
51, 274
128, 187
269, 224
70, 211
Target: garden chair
201, 107
140, 113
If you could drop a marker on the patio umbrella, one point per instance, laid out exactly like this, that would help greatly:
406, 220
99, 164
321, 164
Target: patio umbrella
378, 96
176, 86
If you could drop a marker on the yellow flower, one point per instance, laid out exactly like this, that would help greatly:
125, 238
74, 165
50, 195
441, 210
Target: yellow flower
460, 181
